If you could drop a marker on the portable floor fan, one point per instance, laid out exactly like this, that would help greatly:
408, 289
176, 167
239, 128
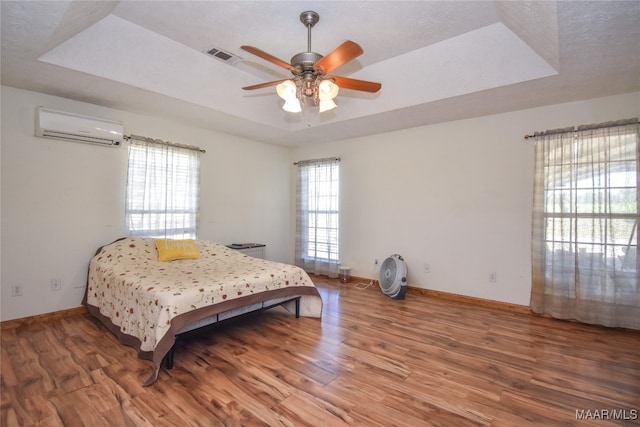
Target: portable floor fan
393, 277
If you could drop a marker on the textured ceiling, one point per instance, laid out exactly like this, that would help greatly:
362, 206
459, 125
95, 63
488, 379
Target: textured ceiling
437, 61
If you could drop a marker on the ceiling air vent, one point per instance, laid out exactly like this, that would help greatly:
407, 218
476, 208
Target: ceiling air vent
224, 56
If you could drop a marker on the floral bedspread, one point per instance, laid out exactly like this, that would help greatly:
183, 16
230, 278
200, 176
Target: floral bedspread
141, 295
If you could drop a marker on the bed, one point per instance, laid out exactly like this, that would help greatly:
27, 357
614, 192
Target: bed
147, 300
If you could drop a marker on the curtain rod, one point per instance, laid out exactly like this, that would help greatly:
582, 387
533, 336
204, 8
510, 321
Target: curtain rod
161, 142
604, 125
304, 162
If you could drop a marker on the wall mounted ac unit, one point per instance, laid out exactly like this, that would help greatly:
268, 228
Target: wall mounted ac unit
78, 128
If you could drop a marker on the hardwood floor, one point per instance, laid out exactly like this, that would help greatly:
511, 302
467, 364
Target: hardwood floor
370, 361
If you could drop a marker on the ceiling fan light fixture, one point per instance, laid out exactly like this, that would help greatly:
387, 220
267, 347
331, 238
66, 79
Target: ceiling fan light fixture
310, 86
292, 105
287, 90
326, 105
327, 90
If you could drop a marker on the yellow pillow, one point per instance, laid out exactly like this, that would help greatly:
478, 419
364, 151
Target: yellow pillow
169, 250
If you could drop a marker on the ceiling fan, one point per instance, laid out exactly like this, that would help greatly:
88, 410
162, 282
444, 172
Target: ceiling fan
311, 83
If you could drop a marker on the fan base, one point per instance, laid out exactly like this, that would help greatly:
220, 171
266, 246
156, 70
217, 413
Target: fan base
401, 293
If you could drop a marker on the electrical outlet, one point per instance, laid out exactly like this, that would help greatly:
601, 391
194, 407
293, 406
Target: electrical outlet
16, 291
493, 277
426, 268
56, 284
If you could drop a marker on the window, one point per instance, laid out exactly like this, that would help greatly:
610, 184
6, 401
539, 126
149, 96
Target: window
162, 190
591, 201
318, 216
585, 230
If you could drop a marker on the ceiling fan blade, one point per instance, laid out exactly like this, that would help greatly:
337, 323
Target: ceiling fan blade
261, 85
338, 56
268, 57
355, 84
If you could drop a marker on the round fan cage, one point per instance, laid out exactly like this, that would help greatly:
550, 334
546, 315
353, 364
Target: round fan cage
393, 277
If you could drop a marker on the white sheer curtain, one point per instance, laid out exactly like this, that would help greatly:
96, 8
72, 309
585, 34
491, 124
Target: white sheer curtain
585, 224
163, 185
318, 216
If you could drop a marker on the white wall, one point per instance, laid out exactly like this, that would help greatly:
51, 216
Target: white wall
456, 196
61, 200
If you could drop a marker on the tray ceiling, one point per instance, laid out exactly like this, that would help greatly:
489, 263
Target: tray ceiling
437, 61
